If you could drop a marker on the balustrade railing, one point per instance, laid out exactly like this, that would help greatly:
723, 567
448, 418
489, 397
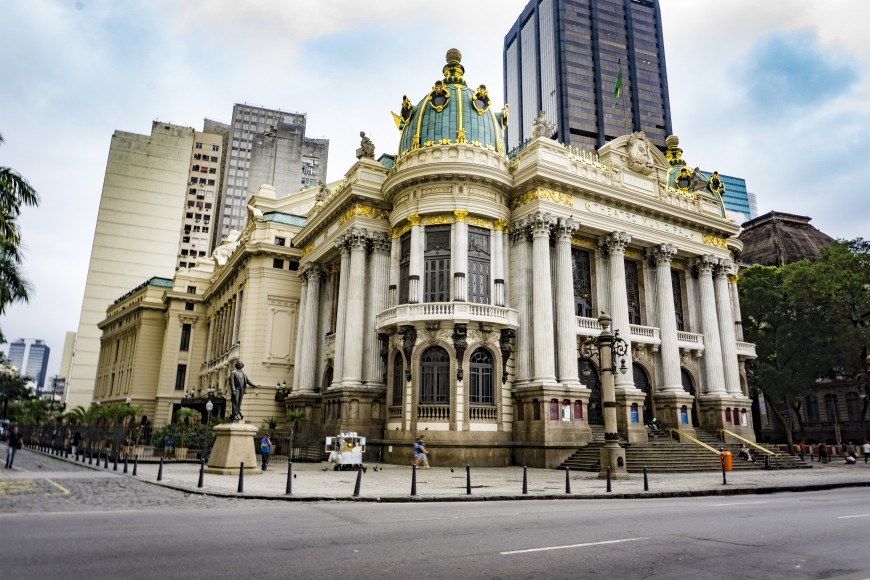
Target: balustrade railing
407, 313
483, 414
394, 412
646, 334
433, 412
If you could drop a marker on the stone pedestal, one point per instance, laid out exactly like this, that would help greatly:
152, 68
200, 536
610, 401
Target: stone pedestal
234, 445
613, 456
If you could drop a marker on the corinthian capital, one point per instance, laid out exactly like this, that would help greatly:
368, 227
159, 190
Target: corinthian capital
381, 243
358, 238
705, 263
565, 228
725, 268
662, 254
311, 271
541, 223
519, 231
614, 242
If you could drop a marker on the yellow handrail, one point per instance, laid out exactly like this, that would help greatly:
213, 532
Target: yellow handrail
748, 442
671, 431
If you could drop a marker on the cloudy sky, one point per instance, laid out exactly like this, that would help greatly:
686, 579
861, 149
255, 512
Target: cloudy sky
774, 91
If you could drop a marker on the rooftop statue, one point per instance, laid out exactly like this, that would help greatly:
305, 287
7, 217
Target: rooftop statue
541, 127
366, 147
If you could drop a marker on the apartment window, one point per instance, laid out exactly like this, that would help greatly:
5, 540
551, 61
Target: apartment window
195, 168
215, 147
213, 159
436, 282
199, 145
192, 180
191, 289
189, 215
192, 190
197, 155
278, 263
185, 338
280, 241
210, 182
188, 305
212, 170
180, 376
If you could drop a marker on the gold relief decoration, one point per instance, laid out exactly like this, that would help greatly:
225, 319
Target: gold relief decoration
402, 199
501, 224
460, 214
414, 219
583, 243
397, 232
439, 97
633, 254
307, 249
460, 136
429, 143
685, 194
480, 222
716, 242
733, 278
544, 193
480, 100
432, 220
365, 210
444, 141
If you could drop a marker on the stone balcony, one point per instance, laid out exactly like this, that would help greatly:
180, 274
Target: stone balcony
746, 349
462, 312
587, 327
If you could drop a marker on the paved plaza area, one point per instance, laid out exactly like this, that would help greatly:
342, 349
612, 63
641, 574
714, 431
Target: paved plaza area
43, 482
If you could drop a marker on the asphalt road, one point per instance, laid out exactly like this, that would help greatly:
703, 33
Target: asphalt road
59, 521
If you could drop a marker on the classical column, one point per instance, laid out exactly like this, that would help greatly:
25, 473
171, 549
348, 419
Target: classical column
726, 327
308, 353
358, 239
395, 257
300, 330
376, 302
713, 371
735, 306
498, 262
542, 296
341, 313
521, 276
415, 276
566, 323
459, 264
667, 317
615, 244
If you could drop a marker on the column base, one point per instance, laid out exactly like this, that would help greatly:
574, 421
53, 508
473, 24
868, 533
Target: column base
234, 445
613, 456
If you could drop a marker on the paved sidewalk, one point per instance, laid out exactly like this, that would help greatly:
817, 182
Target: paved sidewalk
392, 483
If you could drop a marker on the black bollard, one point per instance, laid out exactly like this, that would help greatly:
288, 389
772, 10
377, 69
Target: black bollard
125, 463
413, 480
160, 471
525, 481
106, 465
567, 479
722, 461
767, 462
67, 454
115, 465
241, 479
645, 480
201, 472
467, 480
90, 458
358, 482
289, 490
608, 479
135, 465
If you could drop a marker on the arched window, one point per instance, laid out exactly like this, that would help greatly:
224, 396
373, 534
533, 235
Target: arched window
478, 265
686, 380
728, 416
435, 377
582, 273
481, 390
832, 409
853, 407
554, 409
398, 379
812, 410
404, 266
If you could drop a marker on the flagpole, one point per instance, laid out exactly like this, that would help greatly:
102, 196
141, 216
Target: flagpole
622, 100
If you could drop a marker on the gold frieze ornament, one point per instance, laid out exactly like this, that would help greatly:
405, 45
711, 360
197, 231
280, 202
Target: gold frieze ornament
480, 222
365, 210
460, 215
439, 97
716, 242
414, 219
307, 249
435, 220
544, 193
501, 225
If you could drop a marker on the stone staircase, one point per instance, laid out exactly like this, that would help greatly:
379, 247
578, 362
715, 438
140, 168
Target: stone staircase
663, 455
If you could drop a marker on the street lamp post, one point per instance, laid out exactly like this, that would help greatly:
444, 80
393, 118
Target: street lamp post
609, 347
209, 406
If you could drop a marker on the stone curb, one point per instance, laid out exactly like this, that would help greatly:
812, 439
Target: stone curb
725, 491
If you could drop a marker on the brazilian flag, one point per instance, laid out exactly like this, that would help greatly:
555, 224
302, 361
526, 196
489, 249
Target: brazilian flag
617, 90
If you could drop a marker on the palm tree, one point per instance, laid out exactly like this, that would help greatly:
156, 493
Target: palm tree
294, 417
15, 192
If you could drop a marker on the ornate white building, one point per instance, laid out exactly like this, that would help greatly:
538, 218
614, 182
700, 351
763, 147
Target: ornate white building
446, 289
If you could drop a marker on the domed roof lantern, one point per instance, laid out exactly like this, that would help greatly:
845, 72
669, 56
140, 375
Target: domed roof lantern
454, 72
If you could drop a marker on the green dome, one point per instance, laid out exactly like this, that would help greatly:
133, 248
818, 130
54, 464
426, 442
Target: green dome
451, 113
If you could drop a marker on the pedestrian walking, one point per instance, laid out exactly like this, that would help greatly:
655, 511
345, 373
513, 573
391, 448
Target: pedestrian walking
850, 451
823, 452
866, 450
421, 454
76, 442
15, 442
265, 449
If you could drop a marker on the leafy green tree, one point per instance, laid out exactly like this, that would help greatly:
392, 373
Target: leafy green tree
15, 193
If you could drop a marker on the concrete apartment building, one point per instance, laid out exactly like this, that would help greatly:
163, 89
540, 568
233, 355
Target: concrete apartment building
266, 146
202, 194
136, 237
30, 357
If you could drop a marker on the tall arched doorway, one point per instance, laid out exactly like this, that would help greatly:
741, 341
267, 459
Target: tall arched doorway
595, 412
641, 381
689, 387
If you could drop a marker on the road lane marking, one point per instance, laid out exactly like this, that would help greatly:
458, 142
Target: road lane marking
548, 548
63, 490
738, 503
857, 516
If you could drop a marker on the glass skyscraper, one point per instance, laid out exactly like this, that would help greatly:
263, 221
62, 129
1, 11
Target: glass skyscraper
31, 360
566, 57
737, 198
